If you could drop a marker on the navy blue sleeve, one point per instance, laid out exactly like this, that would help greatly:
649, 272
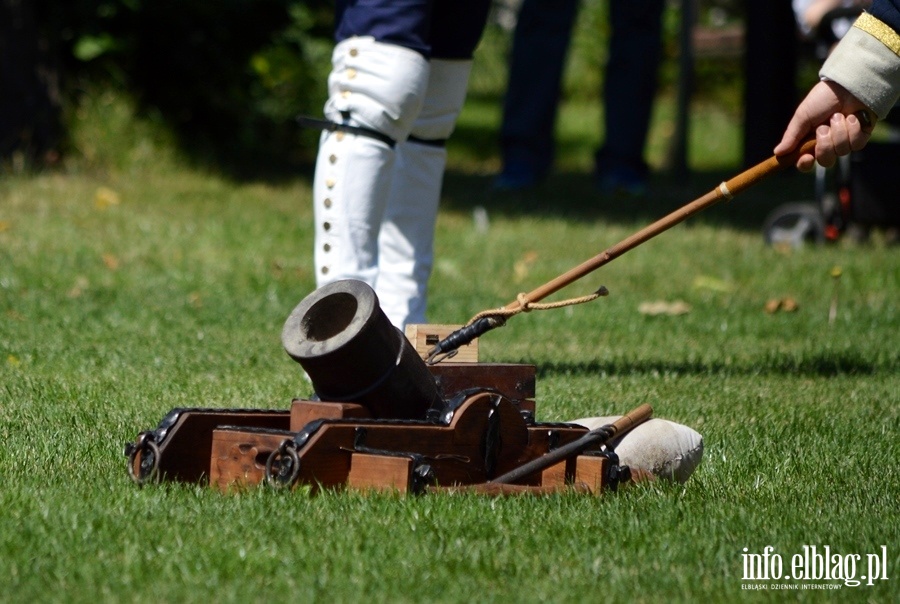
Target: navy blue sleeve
887, 11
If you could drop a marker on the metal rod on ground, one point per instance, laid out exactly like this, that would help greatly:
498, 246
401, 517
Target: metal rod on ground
596, 436
725, 190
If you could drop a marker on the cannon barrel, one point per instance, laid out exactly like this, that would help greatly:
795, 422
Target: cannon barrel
352, 353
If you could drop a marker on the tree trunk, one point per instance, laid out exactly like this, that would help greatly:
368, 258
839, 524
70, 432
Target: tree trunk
29, 92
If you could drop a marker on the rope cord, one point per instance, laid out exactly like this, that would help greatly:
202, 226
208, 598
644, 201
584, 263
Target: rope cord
526, 306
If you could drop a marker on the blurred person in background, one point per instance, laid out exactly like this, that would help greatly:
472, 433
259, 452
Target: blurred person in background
540, 43
809, 14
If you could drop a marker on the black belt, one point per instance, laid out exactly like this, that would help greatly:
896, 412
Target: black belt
311, 122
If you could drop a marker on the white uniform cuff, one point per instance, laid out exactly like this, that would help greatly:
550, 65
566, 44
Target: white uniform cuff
867, 67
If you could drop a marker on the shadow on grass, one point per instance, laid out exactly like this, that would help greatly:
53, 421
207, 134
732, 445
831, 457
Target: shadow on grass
815, 365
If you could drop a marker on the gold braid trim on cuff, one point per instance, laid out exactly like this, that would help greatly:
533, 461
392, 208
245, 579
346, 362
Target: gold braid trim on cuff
882, 31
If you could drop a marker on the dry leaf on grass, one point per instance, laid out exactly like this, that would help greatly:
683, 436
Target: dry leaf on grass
781, 304
662, 307
713, 284
111, 262
105, 197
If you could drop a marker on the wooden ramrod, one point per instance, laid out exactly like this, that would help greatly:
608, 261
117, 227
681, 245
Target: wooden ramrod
382, 419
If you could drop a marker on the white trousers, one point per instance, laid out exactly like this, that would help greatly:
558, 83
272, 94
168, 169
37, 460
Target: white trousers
376, 204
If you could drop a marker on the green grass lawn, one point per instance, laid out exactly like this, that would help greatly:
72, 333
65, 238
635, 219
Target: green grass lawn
131, 283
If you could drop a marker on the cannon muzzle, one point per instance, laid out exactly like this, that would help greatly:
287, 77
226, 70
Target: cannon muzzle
352, 353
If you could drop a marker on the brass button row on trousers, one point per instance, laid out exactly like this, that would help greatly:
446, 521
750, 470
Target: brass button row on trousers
350, 74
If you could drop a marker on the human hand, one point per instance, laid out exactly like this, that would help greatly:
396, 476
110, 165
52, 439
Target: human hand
842, 124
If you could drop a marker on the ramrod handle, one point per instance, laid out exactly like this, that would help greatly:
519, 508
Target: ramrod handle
600, 435
725, 191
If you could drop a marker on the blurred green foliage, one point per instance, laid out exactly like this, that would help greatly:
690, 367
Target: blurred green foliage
227, 76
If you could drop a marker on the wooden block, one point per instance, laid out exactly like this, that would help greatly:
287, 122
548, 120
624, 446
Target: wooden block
238, 457
303, 412
424, 337
380, 472
590, 471
512, 380
557, 475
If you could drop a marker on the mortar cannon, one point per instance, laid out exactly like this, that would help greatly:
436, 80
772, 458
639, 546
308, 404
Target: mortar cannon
352, 353
380, 418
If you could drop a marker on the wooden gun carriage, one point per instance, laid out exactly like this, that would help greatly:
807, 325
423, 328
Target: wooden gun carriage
381, 419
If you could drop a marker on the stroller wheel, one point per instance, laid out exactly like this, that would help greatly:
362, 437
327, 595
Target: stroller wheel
794, 224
